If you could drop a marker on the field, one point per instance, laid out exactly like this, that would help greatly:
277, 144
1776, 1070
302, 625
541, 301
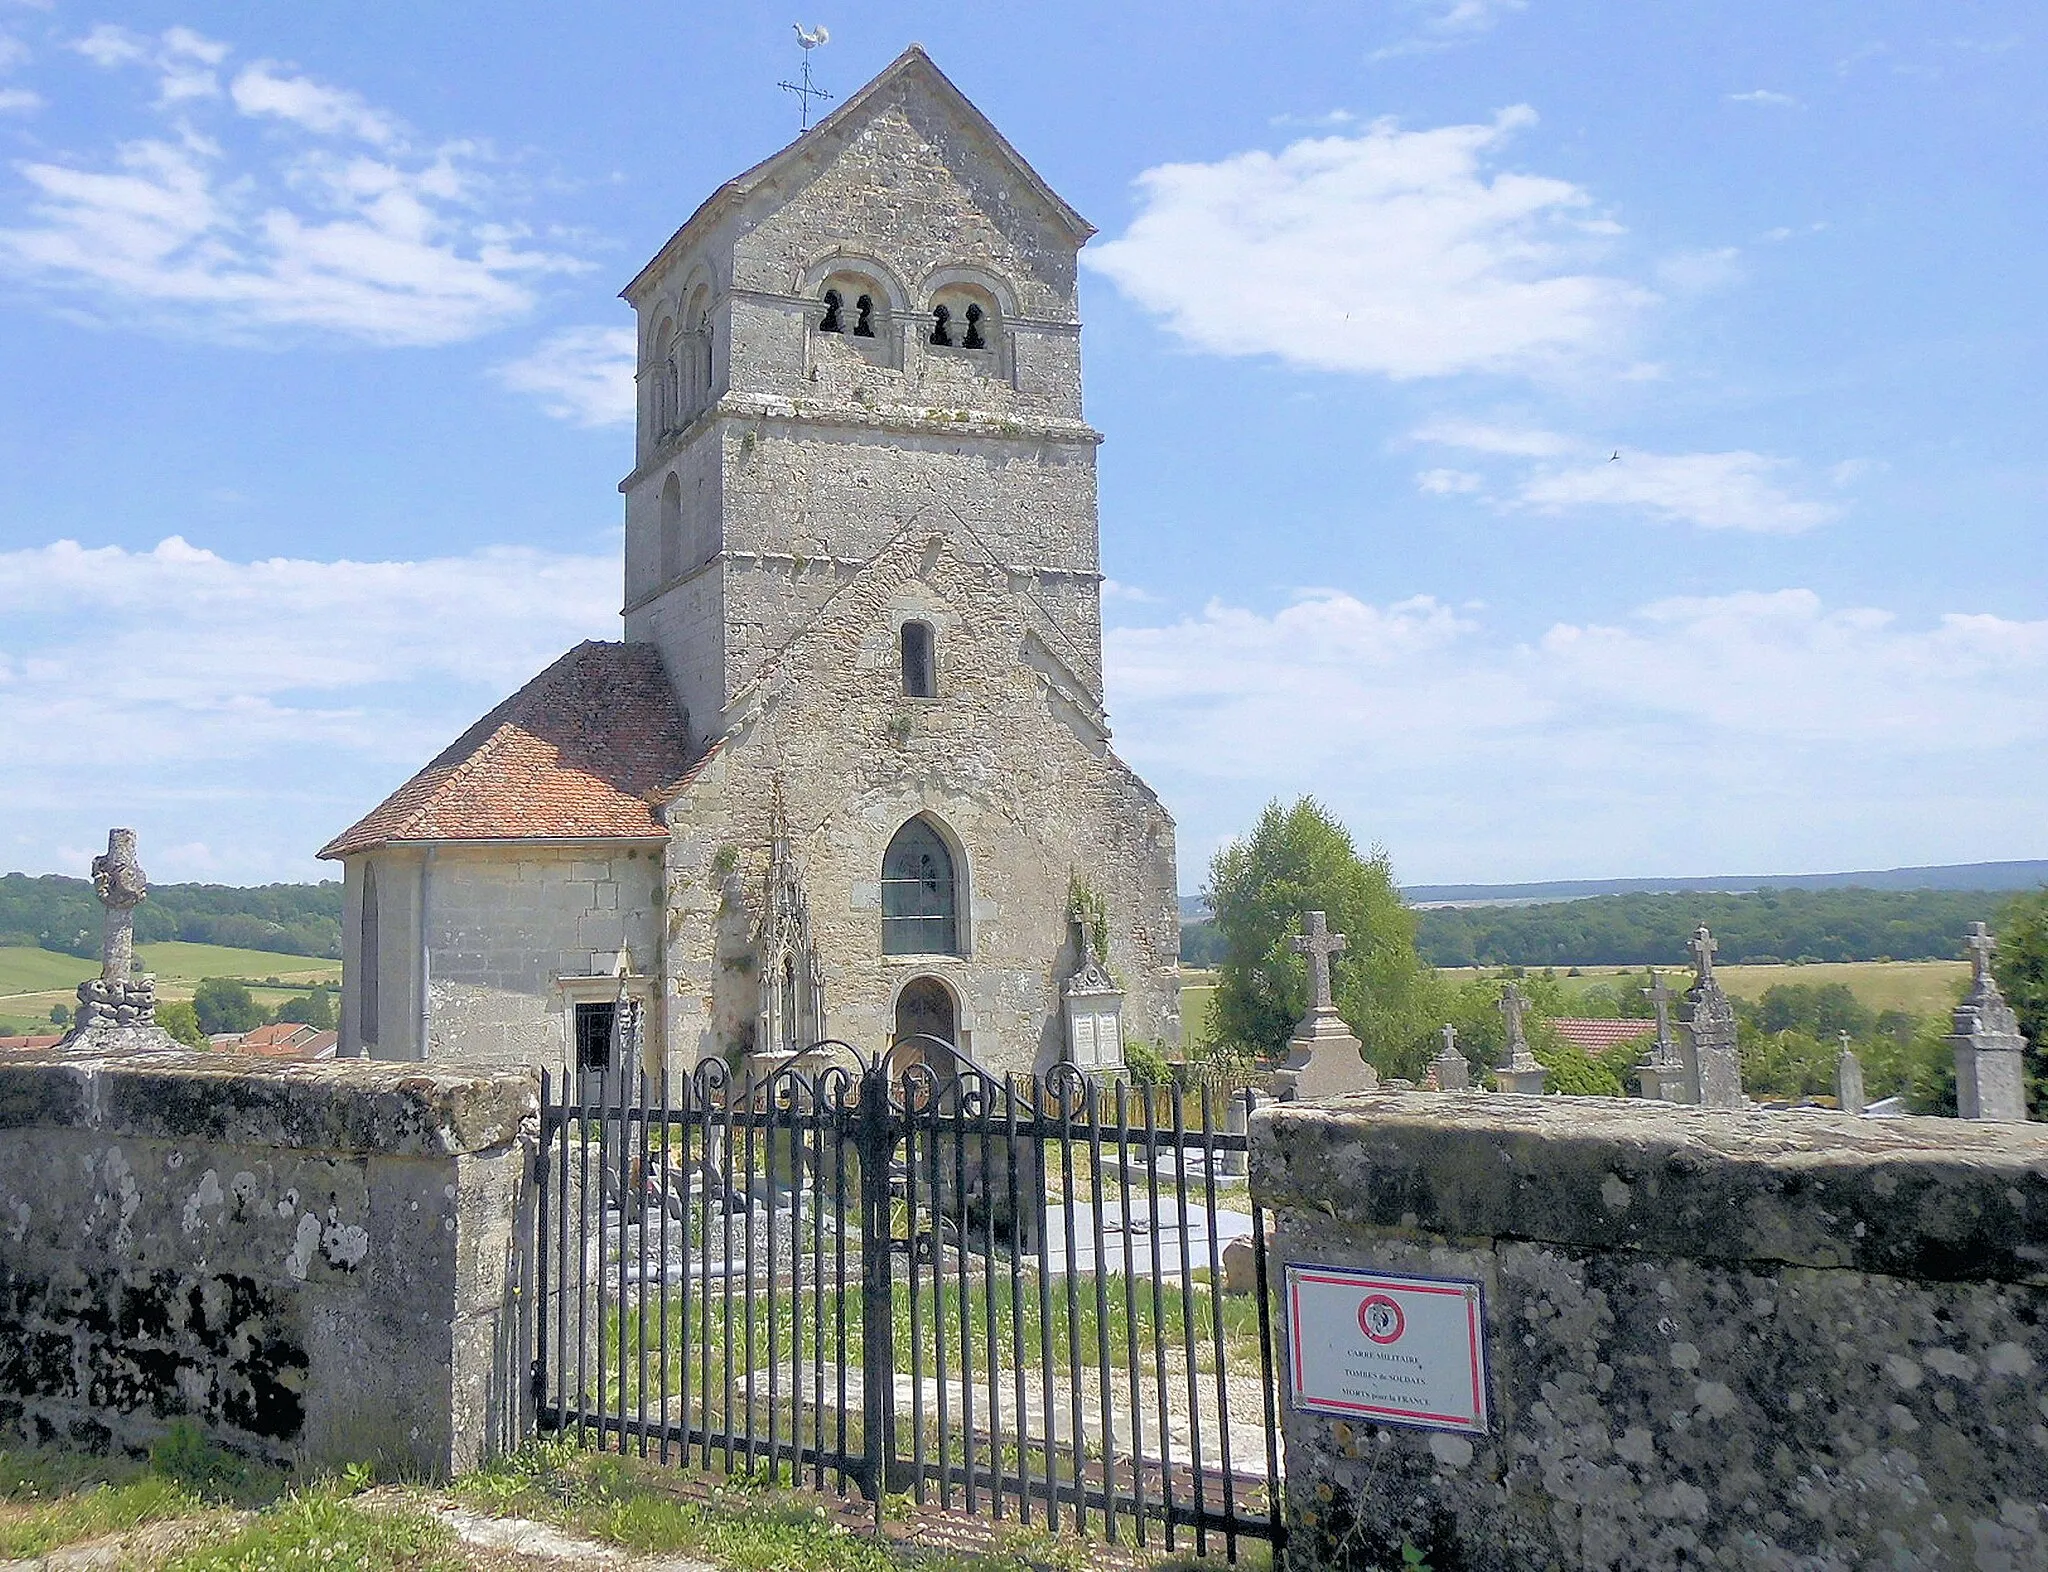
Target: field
1923, 987
33, 980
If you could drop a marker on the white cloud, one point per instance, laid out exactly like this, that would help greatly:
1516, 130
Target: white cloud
582, 374
1449, 482
377, 251
331, 111
185, 62
1737, 490
1482, 437
1444, 23
258, 706
1696, 272
19, 101
1402, 253
13, 52
1754, 730
193, 232
1763, 95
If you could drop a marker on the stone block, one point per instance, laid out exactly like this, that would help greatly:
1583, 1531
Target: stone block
1738, 1339
279, 1251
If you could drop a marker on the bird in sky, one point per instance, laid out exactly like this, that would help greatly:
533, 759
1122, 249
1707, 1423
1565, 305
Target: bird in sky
816, 36
1614, 456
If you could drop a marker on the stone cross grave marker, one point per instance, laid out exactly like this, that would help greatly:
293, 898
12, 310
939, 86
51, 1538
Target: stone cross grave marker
1985, 1038
1849, 1080
1714, 1068
1661, 1075
1323, 1058
1452, 1073
1319, 945
118, 1007
1519, 1071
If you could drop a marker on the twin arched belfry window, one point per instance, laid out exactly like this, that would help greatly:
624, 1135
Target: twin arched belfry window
920, 894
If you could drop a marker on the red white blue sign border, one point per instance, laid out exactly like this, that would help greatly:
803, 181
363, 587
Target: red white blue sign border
1477, 1422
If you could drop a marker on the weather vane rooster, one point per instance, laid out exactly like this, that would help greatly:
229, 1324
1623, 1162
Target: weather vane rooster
804, 88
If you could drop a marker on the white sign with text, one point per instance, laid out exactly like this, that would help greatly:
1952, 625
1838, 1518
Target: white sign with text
1391, 1350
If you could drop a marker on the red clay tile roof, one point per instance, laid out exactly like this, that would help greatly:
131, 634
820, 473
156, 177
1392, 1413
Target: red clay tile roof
1599, 1036
584, 751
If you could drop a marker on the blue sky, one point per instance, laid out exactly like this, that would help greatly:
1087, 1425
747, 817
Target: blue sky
312, 408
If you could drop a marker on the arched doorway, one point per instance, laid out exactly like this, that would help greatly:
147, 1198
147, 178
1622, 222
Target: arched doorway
925, 1009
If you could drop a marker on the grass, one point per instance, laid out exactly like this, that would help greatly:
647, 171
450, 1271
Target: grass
1923, 987
746, 1523
1068, 1313
322, 1531
178, 968
31, 980
49, 1499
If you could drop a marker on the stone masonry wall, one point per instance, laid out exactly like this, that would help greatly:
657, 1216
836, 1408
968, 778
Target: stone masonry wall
317, 1263
1006, 759
1736, 1340
497, 994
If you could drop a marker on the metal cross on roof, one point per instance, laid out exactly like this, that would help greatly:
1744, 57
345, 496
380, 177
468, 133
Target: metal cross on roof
1319, 945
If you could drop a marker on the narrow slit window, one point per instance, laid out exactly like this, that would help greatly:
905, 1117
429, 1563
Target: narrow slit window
920, 679
366, 960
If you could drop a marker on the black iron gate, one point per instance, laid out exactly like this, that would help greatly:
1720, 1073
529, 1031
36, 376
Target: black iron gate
903, 1273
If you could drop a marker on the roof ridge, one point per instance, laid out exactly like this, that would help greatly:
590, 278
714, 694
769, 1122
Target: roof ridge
912, 56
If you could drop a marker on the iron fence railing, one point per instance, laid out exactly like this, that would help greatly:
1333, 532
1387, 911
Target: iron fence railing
1001, 1294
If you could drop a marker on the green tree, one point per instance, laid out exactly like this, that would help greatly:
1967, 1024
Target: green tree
60, 1014
2021, 967
177, 1017
314, 1009
1299, 859
224, 1005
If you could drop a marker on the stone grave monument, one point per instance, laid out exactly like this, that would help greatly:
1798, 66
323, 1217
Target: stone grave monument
1990, 1052
117, 1009
1518, 1070
1849, 1080
1710, 1031
1449, 1067
1663, 1074
1323, 1058
1094, 1008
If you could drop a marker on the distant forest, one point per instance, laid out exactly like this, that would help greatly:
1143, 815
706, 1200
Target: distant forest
57, 913
1758, 926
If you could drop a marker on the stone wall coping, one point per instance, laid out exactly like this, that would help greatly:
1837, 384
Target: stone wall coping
336, 1105
1937, 1199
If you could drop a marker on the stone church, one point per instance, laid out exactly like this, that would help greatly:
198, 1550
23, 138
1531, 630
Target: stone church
849, 773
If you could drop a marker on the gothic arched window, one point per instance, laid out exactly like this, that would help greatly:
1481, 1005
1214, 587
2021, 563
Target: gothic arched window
920, 900
366, 960
920, 666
